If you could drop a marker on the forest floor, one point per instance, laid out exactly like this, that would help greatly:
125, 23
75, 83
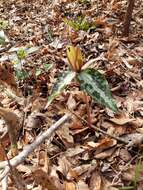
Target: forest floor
76, 156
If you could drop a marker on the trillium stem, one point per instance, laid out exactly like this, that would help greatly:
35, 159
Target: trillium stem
89, 119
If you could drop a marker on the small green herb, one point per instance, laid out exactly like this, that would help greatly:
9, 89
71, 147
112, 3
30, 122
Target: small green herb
3, 24
21, 53
79, 23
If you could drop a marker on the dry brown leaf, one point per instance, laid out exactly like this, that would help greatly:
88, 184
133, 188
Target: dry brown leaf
64, 165
105, 154
79, 170
125, 155
70, 186
2, 153
65, 136
112, 53
106, 185
134, 102
38, 104
13, 126
122, 120
81, 185
43, 179
71, 103
35, 120
105, 144
72, 152
7, 77
128, 174
134, 139
95, 181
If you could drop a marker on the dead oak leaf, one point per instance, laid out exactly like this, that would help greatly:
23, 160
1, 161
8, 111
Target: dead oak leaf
7, 77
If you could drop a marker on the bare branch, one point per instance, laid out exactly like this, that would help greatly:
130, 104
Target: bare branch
30, 148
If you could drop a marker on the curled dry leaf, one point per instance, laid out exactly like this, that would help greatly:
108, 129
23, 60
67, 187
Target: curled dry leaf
82, 185
112, 53
65, 136
7, 77
70, 186
64, 165
134, 102
13, 126
134, 139
95, 181
105, 154
35, 120
105, 144
71, 103
43, 179
125, 155
2, 153
122, 120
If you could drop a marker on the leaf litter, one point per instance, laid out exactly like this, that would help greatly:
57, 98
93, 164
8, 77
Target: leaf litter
77, 157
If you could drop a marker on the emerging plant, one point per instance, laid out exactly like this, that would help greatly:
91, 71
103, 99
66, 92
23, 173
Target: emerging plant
136, 179
79, 24
91, 81
19, 59
3, 24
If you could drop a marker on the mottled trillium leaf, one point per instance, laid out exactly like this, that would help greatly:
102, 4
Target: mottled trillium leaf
60, 85
96, 86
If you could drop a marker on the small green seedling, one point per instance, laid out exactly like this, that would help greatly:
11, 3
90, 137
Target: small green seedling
3, 24
79, 23
134, 183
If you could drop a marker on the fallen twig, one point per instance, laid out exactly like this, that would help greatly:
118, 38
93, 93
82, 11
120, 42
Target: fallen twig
29, 148
100, 130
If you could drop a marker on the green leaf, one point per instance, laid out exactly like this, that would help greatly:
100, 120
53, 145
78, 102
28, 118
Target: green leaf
127, 188
138, 171
3, 24
96, 86
21, 75
21, 53
38, 72
62, 82
47, 66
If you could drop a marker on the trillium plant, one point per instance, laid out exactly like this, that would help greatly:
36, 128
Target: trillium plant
91, 81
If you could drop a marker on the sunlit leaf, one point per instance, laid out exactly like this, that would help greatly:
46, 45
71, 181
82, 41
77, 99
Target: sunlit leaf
60, 85
3, 38
21, 75
46, 67
3, 24
21, 53
75, 58
94, 83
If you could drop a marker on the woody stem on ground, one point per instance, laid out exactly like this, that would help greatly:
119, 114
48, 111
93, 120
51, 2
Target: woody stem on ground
30, 148
15, 175
128, 17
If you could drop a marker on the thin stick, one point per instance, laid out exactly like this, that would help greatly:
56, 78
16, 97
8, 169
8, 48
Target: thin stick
30, 148
20, 185
4, 183
88, 111
99, 130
